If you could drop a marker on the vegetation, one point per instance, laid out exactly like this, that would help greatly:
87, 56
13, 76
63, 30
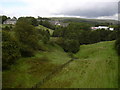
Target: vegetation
45, 28
23, 40
10, 50
30, 20
81, 33
31, 51
29, 71
117, 43
71, 45
89, 21
27, 37
4, 18
97, 67
46, 24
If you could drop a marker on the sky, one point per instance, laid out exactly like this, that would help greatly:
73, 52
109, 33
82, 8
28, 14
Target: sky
96, 9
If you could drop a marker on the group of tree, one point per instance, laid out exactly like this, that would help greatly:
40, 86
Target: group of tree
47, 24
80, 33
22, 41
30, 20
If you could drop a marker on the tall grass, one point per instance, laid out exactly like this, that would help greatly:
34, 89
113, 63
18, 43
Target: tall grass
29, 71
97, 67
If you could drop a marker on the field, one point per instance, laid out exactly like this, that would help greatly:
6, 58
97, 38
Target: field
96, 67
29, 71
45, 28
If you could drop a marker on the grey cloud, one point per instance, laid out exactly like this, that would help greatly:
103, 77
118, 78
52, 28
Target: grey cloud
93, 10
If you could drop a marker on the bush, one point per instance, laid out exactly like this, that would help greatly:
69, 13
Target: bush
71, 45
10, 50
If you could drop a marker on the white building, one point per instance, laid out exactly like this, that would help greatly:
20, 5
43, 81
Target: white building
10, 21
111, 29
102, 27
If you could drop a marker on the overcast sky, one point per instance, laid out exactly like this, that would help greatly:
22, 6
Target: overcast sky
100, 9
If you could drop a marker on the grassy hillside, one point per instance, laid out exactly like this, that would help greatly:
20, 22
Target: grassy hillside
92, 21
96, 68
29, 71
45, 28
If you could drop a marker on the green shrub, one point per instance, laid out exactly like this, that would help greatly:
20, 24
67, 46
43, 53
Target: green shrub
71, 45
10, 50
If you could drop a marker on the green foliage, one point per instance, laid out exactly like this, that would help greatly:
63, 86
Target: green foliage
103, 24
43, 35
30, 70
82, 33
10, 50
59, 32
6, 28
79, 26
96, 67
117, 43
47, 24
3, 18
28, 37
93, 37
30, 20
71, 45
118, 46
84, 37
112, 35
26, 51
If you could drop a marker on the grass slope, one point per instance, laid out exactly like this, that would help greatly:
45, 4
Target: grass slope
45, 28
97, 67
29, 71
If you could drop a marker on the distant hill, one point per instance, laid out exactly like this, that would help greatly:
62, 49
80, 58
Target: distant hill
92, 21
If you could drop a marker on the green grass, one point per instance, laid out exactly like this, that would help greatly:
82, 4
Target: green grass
45, 28
29, 71
97, 67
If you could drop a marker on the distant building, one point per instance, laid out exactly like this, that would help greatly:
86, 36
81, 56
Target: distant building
10, 21
111, 29
59, 23
102, 27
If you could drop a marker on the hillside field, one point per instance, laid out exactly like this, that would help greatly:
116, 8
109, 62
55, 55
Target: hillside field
29, 71
45, 28
97, 67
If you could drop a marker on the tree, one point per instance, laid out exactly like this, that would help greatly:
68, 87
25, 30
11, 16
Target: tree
4, 18
28, 37
71, 45
10, 50
112, 35
30, 20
